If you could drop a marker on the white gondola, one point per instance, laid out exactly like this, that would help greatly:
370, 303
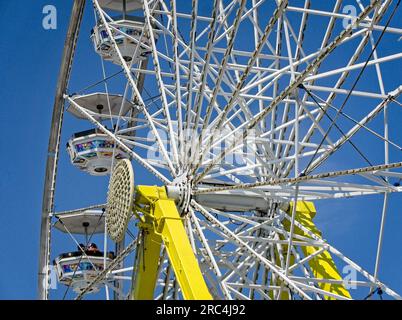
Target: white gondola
93, 152
121, 5
102, 105
82, 222
131, 41
77, 270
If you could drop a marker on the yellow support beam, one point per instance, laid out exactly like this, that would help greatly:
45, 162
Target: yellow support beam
322, 265
146, 266
163, 223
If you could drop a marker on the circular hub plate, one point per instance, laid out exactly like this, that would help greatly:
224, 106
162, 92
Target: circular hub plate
120, 200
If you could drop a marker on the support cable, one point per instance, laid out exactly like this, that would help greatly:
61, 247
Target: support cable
308, 169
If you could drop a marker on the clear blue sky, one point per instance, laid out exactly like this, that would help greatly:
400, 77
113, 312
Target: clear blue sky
29, 64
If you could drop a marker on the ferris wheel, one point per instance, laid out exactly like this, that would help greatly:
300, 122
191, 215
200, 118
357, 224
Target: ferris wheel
250, 114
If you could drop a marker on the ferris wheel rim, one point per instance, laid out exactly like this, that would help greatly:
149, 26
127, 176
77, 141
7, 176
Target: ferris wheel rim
181, 170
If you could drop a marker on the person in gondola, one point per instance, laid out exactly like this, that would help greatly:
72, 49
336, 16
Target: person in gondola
92, 249
81, 247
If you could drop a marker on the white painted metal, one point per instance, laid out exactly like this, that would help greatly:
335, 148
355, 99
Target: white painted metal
229, 126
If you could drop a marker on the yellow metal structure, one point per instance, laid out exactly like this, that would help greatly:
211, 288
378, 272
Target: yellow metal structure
160, 222
322, 265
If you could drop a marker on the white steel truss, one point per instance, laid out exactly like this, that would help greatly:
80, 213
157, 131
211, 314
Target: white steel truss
245, 113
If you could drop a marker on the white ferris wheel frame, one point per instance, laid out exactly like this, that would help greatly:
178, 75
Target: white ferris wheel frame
277, 165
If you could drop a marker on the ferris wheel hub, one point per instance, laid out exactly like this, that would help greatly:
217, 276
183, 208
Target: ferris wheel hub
181, 191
